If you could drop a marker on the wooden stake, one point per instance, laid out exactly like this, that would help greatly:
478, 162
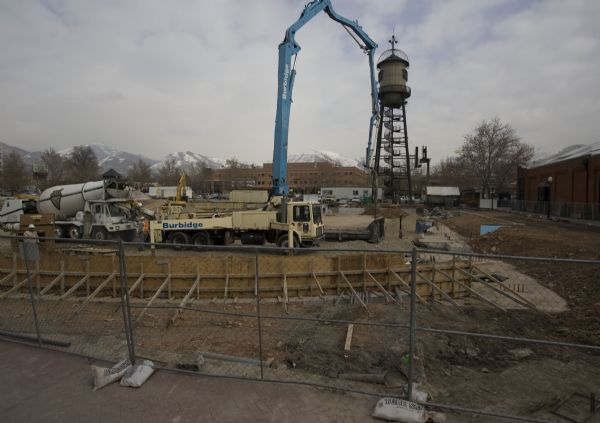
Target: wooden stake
62, 279
285, 292
138, 281
15, 267
226, 279
349, 337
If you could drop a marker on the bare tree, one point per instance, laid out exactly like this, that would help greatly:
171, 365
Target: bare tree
454, 172
82, 164
234, 163
197, 175
492, 153
169, 172
15, 174
140, 172
55, 163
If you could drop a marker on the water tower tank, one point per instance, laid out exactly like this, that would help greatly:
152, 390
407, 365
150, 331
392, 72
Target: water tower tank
393, 76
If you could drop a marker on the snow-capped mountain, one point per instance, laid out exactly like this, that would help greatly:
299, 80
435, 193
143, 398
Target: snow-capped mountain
7, 149
122, 161
111, 158
186, 159
324, 156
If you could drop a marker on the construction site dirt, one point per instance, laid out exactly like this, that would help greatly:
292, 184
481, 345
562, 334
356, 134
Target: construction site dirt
481, 373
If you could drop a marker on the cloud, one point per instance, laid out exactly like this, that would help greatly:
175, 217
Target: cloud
155, 77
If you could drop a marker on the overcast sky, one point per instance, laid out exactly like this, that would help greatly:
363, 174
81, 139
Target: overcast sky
154, 77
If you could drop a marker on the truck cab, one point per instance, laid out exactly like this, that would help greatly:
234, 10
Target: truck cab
305, 219
101, 218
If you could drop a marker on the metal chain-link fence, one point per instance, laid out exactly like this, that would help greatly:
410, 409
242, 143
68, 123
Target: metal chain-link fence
473, 331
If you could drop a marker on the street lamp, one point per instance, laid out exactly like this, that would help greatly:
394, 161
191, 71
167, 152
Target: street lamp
549, 195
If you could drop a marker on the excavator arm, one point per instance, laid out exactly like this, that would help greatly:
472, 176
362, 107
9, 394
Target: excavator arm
180, 194
288, 49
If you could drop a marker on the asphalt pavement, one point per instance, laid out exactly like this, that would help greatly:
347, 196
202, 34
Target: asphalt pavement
39, 385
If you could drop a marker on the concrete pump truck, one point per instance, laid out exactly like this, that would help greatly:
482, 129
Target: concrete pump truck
282, 221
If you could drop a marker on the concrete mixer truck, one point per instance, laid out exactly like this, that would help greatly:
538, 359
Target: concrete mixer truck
99, 210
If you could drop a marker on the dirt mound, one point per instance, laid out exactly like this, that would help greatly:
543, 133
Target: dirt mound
576, 283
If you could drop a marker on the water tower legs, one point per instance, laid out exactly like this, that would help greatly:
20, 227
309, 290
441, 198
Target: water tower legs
392, 156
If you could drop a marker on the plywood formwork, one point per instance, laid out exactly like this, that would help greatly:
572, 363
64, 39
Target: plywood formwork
227, 276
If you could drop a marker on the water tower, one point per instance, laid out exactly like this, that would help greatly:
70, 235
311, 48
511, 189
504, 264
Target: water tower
392, 158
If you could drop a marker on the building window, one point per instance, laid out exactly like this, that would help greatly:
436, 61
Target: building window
355, 192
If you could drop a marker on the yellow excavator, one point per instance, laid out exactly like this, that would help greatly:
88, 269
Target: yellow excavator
180, 194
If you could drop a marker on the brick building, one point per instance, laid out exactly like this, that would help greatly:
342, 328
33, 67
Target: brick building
306, 177
574, 176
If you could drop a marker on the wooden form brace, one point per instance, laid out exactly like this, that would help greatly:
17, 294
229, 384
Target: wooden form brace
83, 280
362, 303
166, 282
17, 286
319, 275
187, 297
60, 278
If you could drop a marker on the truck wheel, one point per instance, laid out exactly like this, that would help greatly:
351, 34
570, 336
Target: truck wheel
180, 238
202, 238
282, 241
59, 232
100, 234
228, 238
74, 232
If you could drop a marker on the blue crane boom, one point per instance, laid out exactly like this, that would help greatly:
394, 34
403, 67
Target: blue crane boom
288, 49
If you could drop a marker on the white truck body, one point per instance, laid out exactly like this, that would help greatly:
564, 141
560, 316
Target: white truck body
64, 201
92, 209
302, 219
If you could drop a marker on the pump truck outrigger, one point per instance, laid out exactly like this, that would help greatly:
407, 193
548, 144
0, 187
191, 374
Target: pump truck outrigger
282, 221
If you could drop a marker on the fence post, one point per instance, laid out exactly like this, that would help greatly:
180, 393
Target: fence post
413, 321
125, 306
31, 296
258, 320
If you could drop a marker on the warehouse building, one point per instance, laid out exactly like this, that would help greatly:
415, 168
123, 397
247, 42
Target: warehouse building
302, 177
442, 196
566, 183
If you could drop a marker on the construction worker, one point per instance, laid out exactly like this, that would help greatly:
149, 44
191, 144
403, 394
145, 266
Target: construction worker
143, 232
30, 244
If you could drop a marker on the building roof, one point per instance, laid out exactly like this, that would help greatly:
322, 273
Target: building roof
111, 173
443, 191
393, 54
568, 153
